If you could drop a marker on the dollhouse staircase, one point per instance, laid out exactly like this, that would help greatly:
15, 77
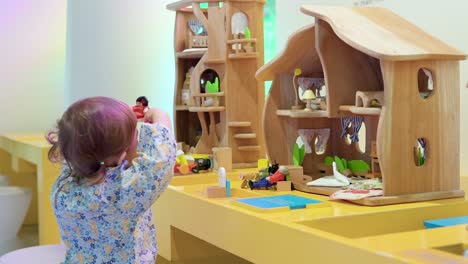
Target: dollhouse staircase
242, 139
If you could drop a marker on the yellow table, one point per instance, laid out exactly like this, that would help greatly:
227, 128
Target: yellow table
195, 229
23, 157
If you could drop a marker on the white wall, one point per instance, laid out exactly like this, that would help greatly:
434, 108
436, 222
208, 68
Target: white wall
445, 20
32, 64
122, 49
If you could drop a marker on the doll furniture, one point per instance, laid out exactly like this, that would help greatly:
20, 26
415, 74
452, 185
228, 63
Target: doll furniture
47, 254
14, 203
23, 157
229, 115
3, 180
369, 55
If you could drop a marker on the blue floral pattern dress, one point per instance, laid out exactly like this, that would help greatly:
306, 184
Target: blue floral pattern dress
111, 222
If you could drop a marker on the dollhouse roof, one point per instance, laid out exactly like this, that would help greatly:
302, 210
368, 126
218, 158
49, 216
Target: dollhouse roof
182, 5
179, 5
291, 57
382, 34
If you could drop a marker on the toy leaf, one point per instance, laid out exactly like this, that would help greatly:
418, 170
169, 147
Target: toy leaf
298, 154
339, 164
358, 166
345, 163
212, 87
301, 154
328, 161
247, 32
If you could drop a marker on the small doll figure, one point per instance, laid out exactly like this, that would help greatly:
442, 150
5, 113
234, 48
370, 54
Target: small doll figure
279, 175
202, 165
141, 107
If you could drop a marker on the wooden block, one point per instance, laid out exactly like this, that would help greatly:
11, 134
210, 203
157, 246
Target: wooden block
215, 192
295, 172
222, 157
283, 186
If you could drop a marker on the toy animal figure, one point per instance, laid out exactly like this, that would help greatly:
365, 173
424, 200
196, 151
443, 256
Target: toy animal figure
202, 165
279, 175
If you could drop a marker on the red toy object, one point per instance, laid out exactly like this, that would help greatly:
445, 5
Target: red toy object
176, 168
141, 108
139, 111
280, 175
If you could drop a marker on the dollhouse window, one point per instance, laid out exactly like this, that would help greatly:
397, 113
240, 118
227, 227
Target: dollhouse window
425, 83
420, 152
361, 144
347, 138
208, 75
320, 145
239, 22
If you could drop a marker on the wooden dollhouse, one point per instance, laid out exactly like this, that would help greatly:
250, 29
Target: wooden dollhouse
384, 80
218, 101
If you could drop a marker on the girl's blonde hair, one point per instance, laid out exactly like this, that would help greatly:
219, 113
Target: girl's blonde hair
91, 131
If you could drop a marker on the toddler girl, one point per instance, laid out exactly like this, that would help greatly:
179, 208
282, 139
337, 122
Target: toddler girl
102, 199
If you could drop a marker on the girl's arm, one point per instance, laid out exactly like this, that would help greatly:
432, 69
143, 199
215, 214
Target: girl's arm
142, 183
155, 115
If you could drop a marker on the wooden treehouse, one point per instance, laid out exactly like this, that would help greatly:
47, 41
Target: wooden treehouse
375, 77
218, 100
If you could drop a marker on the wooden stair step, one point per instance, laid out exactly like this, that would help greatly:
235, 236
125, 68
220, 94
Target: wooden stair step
245, 135
249, 148
239, 124
244, 165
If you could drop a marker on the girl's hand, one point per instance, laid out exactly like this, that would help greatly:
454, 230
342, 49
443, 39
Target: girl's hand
156, 115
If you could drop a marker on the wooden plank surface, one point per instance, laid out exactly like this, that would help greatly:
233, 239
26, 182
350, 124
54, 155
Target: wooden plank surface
382, 34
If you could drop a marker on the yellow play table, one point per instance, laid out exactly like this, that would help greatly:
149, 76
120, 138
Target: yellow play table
23, 157
195, 229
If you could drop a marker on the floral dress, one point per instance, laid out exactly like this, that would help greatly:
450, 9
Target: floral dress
111, 222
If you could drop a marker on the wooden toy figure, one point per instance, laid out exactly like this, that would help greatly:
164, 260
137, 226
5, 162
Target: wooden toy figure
141, 107
279, 175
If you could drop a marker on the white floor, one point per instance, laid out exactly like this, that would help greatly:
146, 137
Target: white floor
27, 237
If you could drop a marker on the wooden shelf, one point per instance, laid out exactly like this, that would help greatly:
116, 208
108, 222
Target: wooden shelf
239, 124
191, 54
302, 113
360, 110
209, 94
245, 135
249, 148
215, 61
235, 41
182, 107
206, 109
241, 56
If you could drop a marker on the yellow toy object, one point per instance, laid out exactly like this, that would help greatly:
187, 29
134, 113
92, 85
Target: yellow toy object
201, 156
180, 159
262, 163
